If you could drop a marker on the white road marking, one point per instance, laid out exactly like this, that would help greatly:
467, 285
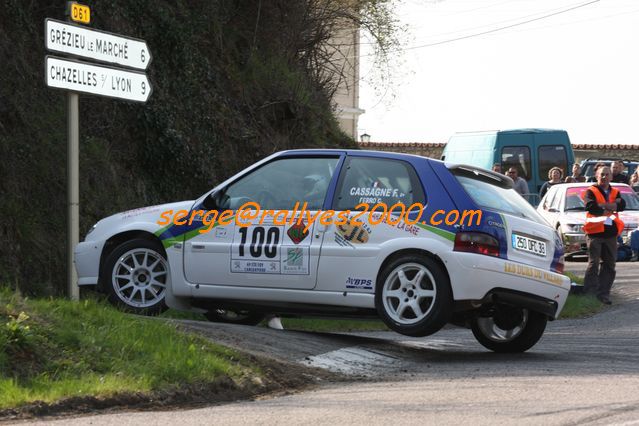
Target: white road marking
353, 360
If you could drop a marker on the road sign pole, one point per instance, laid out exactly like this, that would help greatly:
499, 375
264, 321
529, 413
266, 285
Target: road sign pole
80, 77
73, 190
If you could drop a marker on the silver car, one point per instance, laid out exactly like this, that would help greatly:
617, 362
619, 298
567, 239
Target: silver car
563, 208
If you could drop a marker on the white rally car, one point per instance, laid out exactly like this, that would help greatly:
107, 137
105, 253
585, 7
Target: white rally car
468, 251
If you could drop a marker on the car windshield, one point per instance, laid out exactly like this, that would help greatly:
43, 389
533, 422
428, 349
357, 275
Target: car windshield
574, 200
493, 197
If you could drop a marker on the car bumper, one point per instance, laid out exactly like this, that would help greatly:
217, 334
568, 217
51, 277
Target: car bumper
86, 257
574, 243
474, 276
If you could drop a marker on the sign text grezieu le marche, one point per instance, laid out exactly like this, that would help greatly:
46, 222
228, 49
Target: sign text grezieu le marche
102, 46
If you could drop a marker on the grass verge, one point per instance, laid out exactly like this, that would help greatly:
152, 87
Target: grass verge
579, 306
56, 349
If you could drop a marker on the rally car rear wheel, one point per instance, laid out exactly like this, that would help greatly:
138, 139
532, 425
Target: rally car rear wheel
136, 275
509, 329
235, 316
413, 296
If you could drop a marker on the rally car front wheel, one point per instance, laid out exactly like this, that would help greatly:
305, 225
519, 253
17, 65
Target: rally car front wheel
136, 275
413, 295
509, 329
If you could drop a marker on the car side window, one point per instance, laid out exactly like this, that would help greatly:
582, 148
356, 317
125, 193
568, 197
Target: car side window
377, 180
280, 184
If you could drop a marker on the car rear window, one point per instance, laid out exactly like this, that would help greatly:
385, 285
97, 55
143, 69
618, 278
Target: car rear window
493, 197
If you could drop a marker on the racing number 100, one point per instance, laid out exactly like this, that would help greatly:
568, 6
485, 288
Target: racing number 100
268, 239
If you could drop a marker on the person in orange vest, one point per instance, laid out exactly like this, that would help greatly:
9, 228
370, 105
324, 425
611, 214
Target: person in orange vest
602, 228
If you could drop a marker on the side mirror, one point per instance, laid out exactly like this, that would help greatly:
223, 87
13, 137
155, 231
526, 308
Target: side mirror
212, 201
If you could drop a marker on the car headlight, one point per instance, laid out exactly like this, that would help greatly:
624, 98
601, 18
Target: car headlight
573, 227
90, 230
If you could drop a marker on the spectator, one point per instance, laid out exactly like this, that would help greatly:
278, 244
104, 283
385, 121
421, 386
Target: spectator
624, 252
576, 174
570, 179
618, 176
521, 185
497, 168
554, 177
634, 181
593, 178
602, 228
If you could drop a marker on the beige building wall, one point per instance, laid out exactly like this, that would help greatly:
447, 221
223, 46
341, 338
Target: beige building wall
346, 65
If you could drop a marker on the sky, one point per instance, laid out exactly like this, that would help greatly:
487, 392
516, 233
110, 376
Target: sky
577, 70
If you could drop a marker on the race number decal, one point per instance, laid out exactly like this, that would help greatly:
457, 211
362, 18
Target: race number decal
269, 249
262, 241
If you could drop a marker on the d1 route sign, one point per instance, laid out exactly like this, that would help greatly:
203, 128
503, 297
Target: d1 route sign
99, 80
94, 44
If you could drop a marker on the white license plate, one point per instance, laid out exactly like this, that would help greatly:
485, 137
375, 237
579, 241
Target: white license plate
529, 245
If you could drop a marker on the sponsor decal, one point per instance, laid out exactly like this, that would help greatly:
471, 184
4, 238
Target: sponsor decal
349, 234
265, 250
298, 232
255, 267
359, 283
137, 212
294, 256
296, 262
534, 273
495, 224
411, 229
220, 232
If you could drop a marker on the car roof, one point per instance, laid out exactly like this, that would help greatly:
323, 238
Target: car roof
356, 152
559, 187
578, 184
605, 159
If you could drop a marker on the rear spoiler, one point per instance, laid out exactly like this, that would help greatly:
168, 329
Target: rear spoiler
484, 175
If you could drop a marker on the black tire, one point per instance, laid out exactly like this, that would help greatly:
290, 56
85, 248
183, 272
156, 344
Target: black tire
410, 307
148, 276
235, 317
526, 327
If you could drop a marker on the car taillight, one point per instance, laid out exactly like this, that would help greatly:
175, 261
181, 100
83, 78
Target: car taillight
559, 267
476, 242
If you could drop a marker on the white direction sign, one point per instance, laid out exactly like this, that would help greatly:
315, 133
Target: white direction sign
96, 79
94, 44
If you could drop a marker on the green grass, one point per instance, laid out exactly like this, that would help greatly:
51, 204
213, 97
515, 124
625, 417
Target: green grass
575, 278
175, 314
54, 349
578, 306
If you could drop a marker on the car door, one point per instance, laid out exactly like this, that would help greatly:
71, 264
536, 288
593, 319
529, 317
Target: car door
275, 248
349, 258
